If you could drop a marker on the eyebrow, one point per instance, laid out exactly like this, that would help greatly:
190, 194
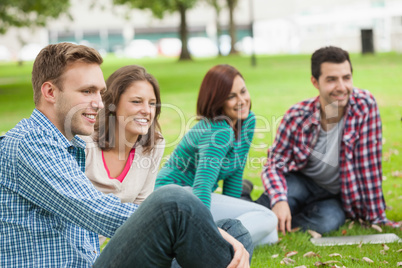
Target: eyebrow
139, 97
91, 87
240, 90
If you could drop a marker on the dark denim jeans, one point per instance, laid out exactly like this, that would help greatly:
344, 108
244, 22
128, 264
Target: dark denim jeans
312, 207
172, 223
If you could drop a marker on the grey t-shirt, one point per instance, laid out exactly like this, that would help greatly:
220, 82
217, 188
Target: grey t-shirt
323, 163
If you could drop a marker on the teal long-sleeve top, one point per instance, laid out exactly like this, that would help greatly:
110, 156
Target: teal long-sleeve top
209, 152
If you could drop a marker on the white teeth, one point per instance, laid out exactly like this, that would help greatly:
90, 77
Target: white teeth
90, 116
141, 120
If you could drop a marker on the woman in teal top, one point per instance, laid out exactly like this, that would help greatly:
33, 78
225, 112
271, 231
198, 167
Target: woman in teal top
209, 152
216, 149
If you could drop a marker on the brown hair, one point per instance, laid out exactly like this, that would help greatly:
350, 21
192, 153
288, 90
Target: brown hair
52, 61
116, 85
328, 54
214, 91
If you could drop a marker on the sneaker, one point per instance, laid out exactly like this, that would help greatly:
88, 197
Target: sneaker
264, 200
247, 188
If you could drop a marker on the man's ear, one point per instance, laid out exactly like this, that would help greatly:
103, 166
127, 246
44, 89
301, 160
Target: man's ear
314, 82
48, 92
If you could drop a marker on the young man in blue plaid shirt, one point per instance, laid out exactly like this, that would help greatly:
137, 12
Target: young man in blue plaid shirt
50, 213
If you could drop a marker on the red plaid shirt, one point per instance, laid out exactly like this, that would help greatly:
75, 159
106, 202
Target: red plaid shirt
360, 154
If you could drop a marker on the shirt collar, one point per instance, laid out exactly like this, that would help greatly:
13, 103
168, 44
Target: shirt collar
350, 108
39, 118
352, 98
316, 116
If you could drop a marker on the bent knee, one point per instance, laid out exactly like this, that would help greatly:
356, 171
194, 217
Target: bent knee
236, 229
332, 222
267, 216
177, 195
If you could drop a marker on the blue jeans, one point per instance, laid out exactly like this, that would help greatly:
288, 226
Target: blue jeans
258, 220
311, 206
172, 223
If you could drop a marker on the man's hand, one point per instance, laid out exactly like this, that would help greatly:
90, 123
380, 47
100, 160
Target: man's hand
282, 211
241, 257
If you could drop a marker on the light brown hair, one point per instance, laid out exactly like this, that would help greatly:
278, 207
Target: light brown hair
116, 85
52, 61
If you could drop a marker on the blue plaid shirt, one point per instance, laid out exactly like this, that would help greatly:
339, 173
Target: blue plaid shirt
50, 213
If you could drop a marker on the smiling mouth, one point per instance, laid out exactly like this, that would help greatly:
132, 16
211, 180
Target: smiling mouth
141, 120
340, 97
90, 116
242, 108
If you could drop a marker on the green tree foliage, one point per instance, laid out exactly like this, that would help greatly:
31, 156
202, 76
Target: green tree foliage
159, 7
28, 13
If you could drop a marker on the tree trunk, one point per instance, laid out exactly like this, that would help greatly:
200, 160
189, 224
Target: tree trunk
218, 29
185, 54
232, 26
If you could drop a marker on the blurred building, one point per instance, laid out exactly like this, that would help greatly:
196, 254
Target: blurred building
288, 26
357, 26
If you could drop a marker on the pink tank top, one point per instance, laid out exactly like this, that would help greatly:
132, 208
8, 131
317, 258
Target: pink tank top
123, 174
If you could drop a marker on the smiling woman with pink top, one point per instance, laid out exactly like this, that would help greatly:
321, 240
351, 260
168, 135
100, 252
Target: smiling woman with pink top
123, 154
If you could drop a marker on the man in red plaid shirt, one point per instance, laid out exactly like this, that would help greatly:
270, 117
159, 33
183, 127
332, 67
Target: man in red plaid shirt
325, 163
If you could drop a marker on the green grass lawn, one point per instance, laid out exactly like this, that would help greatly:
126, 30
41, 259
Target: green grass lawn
275, 84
